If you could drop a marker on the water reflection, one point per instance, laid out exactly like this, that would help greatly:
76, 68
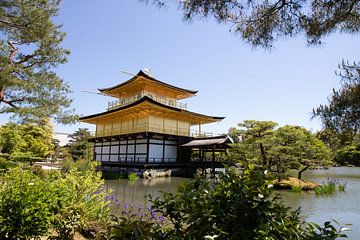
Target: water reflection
136, 192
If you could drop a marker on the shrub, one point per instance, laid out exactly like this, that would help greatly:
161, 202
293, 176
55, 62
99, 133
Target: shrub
135, 222
27, 205
133, 177
30, 204
233, 207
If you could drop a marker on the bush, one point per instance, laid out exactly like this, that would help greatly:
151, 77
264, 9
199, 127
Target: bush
133, 177
5, 164
233, 207
26, 205
30, 205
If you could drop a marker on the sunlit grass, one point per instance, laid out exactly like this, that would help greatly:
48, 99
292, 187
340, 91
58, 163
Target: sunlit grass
296, 189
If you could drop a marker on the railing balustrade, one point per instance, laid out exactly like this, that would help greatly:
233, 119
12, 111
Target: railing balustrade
127, 101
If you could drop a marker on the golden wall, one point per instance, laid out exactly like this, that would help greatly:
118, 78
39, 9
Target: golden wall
150, 123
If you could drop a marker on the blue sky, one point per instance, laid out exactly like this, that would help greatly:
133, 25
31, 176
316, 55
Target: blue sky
233, 80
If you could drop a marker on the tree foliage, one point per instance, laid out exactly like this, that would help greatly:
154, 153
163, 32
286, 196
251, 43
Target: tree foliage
280, 149
260, 23
26, 142
342, 112
29, 51
79, 145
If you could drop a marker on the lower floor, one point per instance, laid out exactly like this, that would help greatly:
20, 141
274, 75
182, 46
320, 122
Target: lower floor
140, 149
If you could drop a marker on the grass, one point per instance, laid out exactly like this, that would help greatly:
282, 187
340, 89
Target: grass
341, 187
296, 189
330, 187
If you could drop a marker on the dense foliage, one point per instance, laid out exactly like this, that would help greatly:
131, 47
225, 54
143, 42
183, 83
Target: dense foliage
79, 147
260, 23
278, 149
234, 207
26, 142
348, 155
29, 51
31, 205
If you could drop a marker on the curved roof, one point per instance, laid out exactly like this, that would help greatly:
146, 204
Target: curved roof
116, 91
199, 117
210, 141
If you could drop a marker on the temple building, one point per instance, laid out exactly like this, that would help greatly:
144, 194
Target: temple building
146, 126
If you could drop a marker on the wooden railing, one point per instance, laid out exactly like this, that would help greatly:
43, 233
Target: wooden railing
127, 101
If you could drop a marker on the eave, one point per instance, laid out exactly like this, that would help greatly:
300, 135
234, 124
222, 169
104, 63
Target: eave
116, 91
147, 105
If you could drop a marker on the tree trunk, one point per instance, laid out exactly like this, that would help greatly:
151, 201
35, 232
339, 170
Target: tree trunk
263, 155
302, 170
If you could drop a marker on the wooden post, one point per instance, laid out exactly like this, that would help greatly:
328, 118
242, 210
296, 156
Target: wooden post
213, 163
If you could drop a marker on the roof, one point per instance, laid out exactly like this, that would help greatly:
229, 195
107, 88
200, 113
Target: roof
209, 141
156, 103
142, 75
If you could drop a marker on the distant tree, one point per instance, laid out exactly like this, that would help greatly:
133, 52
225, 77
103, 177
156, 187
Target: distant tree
260, 23
293, 147
26, 142
342, 112
255, 137
79, 145
281, 149
29, 51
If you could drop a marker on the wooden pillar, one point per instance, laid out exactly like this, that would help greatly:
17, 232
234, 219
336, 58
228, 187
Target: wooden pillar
126, 148
163, 153
213, 163
147, 148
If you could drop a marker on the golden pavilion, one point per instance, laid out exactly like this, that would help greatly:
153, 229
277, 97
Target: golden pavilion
147, 125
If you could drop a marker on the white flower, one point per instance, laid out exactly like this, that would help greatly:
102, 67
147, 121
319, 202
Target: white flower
260, 195
270, 186
265, 172
211, 237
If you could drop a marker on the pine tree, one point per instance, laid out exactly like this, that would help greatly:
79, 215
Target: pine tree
29, 52
260, 23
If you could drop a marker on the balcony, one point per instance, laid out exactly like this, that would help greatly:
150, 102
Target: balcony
127, 101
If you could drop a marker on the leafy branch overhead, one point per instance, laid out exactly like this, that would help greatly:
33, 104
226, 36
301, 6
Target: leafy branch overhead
342, 112
260, 23
29, 51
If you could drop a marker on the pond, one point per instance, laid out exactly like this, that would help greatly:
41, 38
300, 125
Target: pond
342, 206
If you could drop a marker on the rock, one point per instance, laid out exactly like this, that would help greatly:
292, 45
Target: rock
291, 181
